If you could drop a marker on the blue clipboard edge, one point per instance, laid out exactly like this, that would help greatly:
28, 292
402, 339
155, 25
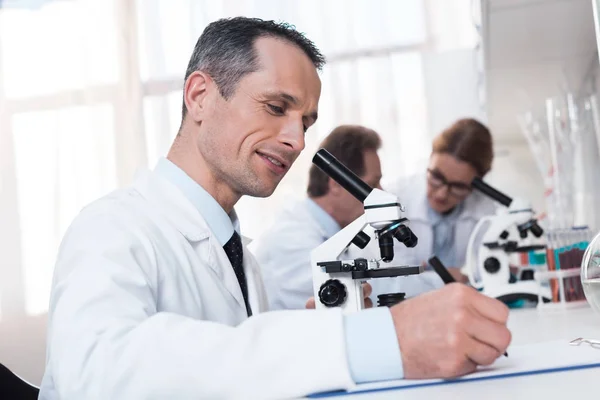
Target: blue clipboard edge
453, 381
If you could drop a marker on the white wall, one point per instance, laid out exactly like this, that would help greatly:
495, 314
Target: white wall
515, 173
534, 49
452, 82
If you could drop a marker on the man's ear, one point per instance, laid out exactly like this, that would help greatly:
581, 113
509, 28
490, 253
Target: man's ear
333, 187
196, 94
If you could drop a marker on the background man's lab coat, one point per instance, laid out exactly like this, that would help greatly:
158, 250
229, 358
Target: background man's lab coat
145, 304
283, 254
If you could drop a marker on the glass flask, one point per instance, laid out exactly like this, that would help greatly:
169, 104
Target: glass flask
590, 273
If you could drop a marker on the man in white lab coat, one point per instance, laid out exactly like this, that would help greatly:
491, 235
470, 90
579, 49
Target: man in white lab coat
154, 295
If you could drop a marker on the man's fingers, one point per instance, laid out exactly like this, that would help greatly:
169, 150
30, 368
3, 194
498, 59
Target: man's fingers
453, 367
488, 332
368, 303
482, 353
367, 289
490, 308
310, 303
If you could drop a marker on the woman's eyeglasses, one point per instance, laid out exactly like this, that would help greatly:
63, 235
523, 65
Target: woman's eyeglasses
456, 189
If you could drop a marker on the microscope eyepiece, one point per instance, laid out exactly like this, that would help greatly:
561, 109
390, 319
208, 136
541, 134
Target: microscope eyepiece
341, 174
491, 192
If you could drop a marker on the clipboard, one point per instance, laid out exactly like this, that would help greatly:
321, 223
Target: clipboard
533, 359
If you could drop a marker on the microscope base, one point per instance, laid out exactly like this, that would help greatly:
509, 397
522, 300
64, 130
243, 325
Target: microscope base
527, 290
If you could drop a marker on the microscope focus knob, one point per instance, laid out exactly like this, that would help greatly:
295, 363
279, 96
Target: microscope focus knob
491, 265
332, 293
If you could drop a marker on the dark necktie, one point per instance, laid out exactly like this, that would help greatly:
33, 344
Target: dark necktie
235, 252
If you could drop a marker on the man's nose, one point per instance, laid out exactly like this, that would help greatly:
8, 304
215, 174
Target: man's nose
293, 136
443, 191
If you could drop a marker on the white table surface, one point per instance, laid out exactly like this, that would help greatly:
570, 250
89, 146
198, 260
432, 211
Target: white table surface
527, 326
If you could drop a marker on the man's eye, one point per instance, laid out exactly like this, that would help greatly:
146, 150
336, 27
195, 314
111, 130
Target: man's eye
276, 109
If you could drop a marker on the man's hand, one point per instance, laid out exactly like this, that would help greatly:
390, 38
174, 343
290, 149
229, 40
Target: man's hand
367, 290
449, 332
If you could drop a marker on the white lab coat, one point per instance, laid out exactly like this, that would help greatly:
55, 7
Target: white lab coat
145, 305
412, 193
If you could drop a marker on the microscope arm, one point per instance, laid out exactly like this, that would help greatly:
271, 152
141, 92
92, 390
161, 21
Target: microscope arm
332, 248
471, 264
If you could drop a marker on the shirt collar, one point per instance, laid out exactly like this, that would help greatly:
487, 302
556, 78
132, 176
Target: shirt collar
326, 221
436, 217
220, 223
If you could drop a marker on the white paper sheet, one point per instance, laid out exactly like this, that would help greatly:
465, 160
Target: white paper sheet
537, 358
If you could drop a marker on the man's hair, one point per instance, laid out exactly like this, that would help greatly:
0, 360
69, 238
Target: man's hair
347, 143
226, 51
468, 140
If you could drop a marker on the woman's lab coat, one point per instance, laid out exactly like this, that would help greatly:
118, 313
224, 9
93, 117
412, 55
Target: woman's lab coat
145, 304
412, 193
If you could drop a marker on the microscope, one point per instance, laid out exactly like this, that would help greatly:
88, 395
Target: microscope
338, 283
509, 231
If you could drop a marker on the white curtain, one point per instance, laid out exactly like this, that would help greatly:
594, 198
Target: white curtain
90, 91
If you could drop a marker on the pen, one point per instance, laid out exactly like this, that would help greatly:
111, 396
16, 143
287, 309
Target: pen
442, 271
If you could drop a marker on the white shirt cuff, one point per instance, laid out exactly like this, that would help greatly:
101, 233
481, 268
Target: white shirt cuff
372, 346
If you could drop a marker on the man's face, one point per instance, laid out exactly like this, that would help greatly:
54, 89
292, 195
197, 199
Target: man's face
448, 181
251, 140
350, 207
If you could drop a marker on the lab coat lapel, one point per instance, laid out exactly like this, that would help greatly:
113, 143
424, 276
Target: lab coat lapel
222, 266
256, 293
168, 201
174, 206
